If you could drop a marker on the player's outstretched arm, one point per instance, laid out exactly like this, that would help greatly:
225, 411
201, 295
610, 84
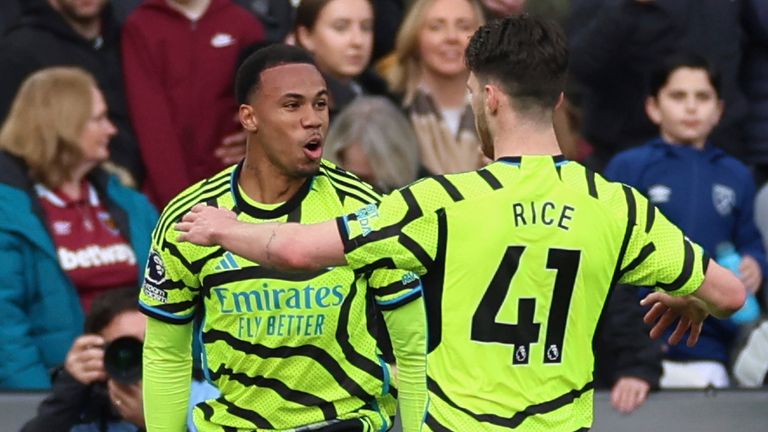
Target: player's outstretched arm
722, 291
284, 246
721, 294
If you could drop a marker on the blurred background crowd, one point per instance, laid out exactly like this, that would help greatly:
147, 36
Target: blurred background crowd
111, 108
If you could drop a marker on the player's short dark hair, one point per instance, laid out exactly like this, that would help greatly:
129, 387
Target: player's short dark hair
109, 304
668, 65
526, 55
249, 73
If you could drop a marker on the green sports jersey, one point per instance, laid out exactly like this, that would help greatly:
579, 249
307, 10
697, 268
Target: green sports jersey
517, 260
286, 350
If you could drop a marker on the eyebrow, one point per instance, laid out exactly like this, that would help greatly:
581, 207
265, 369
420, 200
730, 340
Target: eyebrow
323, 92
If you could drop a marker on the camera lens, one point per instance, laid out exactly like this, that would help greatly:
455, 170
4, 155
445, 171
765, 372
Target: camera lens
122, 359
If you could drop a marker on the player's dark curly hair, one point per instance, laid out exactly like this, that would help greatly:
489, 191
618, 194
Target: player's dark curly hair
527, 56
249, 73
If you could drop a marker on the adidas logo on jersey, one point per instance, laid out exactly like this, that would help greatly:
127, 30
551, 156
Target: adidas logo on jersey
227, 263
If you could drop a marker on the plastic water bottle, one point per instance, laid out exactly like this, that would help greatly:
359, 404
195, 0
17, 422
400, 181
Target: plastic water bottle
727, 257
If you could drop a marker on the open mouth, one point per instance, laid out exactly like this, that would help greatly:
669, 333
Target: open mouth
314, 148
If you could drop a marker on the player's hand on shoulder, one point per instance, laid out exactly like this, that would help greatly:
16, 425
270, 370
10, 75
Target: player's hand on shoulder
203, 223
665, 311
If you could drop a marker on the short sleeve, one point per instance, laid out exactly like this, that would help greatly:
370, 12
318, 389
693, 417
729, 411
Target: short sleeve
394, 288
658, 254
170, 289
393, 235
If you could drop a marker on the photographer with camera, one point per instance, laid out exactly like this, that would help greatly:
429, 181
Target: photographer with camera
99, 386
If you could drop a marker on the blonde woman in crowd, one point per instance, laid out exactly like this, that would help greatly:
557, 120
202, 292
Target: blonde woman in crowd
69, 230
373, 139
428, 71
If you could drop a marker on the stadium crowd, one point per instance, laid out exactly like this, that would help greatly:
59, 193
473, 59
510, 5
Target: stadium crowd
111, 110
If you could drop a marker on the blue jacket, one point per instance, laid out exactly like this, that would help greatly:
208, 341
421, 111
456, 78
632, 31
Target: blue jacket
39, 304
710, 196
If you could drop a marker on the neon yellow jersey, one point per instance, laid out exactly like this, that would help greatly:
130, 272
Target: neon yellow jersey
286, 350
517, 260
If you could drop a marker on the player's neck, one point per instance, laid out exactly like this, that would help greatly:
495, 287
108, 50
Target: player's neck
263, 182
526, 139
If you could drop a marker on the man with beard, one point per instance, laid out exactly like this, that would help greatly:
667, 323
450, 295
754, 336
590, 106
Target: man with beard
73, 33
287, 350
517, 258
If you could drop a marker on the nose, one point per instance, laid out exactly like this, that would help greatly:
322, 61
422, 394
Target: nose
313, 119
357, 37
451, 33
690, 104
109, 127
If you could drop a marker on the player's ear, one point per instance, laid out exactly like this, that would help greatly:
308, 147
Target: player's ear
491, 98
248, 118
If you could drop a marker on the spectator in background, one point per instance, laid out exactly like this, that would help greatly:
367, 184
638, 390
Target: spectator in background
278, 19
68, 229
761, 221
627, 360
552, 9
428, 71
339, 34
84, 395
10, 10
755, 81
275, 15
72, 33
180, 58
616, 43
373, 139
707, 193
751, 366
122, 8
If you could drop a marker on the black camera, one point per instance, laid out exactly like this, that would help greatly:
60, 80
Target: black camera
122, 359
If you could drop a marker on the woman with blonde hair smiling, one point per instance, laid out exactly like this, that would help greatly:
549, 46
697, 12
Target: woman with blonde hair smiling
68, 229
429, 73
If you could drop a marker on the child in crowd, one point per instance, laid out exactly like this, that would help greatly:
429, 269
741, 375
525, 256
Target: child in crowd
706, 192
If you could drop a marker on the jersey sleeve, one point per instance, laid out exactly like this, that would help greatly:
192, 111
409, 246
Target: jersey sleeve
170, 288
407, 328
398, 294
658, 254
394, 235
167, 373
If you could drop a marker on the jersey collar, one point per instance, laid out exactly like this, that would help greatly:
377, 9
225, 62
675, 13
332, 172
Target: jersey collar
241, 204
515, 160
